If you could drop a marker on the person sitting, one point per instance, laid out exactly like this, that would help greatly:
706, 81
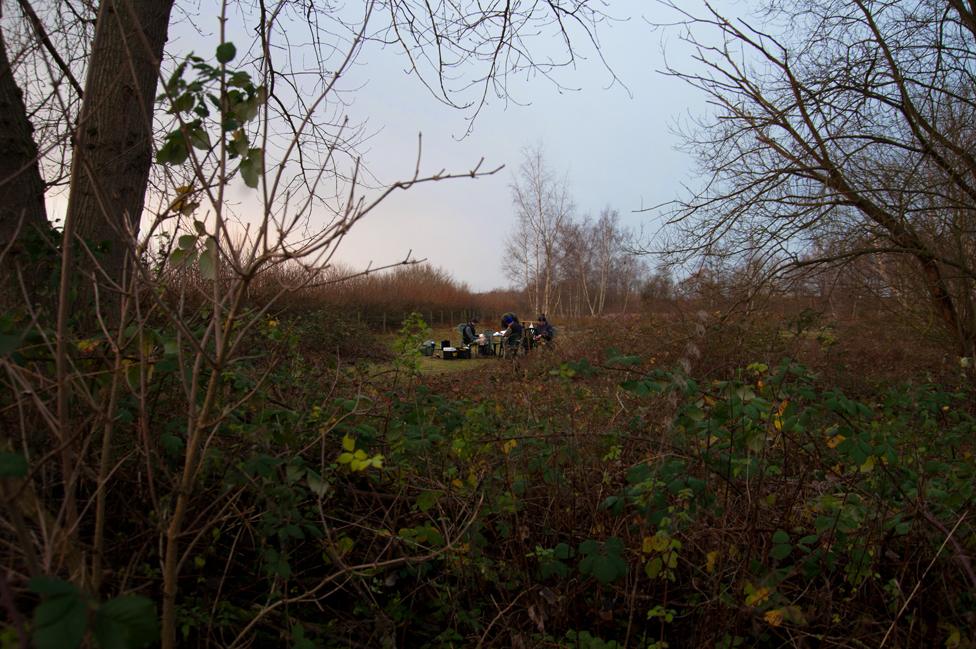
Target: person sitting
543, 330
468, 334
511, 333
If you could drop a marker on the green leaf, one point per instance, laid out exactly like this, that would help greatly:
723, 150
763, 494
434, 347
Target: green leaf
226, 52
614, 357
427, 499
12, 465
609, 568
780, 537
208, 260
252, 167
239, 79
588, 547
780, 552
52, 586
315, 482
247, 109
640, 388
188, 241
294, 472
183, 103
173, 151
199, 138
299, 641
171, 444
8, 344
59, 620
127, 622
181, 257
653, 567
238, 143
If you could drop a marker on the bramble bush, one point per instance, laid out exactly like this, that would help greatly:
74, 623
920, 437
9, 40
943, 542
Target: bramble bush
583, 499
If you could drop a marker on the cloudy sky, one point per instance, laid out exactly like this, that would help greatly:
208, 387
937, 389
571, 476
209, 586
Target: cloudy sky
612, 139
615, 144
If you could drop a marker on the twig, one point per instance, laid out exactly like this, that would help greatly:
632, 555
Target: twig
919, 582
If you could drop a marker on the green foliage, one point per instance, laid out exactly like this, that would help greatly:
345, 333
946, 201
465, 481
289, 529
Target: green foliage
413, 332
604, 561
63, 617
586, 640
13, 465
234, 98
742, 511
126, 623
357, 459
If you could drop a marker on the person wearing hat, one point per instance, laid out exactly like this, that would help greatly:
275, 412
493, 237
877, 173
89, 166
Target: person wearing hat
511, 333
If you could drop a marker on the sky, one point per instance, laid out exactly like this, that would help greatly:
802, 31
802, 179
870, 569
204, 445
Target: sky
614, 142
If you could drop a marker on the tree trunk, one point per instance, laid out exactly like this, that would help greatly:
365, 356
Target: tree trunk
113, 146
21, 187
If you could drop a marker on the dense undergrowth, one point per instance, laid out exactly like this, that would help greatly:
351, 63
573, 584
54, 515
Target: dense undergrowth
697, 489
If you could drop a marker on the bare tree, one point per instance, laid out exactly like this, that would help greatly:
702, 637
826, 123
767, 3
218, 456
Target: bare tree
543, 207
595, 265
241, 117
853, 123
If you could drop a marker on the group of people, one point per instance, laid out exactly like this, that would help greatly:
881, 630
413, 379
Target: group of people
513, 334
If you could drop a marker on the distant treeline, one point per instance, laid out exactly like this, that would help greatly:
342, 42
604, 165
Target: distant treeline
381, 299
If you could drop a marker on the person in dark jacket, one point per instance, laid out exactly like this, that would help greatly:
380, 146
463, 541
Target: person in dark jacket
512, 331
468, 333
543, 330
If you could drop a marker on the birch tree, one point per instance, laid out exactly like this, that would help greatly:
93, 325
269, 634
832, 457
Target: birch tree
543, 207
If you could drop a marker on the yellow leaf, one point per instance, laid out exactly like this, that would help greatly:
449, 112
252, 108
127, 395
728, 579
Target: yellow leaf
348, 443
87, 346
758, 596
774, 617
868, 465
509, 445
834, 442
955, 638
710, 560
657, 543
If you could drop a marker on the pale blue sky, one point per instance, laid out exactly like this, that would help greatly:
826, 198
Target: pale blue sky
617, 148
